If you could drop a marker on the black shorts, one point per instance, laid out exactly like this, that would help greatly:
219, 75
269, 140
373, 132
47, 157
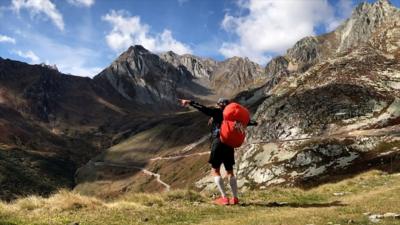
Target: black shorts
221, 153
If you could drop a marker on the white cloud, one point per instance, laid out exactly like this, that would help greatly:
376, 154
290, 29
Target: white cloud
37, 7
73, 60
80, 61
129, 31
343, 9
28, 55
273, 26
4, 38
84, 3
79, 70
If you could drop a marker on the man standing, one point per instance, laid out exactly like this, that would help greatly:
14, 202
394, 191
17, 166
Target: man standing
220, 152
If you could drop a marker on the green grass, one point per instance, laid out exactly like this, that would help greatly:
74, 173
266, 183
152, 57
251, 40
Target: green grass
374, 192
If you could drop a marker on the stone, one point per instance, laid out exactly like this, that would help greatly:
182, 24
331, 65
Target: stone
391, 215
339, 193
375, 218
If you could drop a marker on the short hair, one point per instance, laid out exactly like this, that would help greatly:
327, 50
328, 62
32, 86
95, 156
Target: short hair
223, 101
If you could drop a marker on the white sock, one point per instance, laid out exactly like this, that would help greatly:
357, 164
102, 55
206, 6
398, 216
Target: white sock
233, 183
220, 184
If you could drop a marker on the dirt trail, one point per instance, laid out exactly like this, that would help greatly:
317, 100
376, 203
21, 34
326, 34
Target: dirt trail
179, 156
158, 176
148, 172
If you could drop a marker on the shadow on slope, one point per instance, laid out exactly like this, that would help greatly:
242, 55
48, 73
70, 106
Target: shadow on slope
25, 173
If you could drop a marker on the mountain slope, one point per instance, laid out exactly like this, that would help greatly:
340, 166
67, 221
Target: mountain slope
339, 116
48, 123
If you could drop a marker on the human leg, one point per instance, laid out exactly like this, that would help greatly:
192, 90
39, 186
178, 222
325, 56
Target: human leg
229, 161
233, 183
219, 181
216, 161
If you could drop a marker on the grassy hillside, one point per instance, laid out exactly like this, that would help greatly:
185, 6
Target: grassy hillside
345, 202
147, 149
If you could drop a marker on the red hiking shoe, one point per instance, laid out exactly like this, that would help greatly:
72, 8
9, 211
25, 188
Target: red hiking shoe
222, 201
234, 201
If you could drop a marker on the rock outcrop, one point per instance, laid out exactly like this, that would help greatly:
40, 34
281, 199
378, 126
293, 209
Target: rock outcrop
200, 68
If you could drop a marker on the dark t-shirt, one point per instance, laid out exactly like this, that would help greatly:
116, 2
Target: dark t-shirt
215, 113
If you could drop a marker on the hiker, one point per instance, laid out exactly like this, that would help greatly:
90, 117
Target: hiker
220, 152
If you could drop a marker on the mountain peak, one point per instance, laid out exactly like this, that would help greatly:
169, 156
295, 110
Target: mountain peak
137, 49
383, 3
133, 51
171, 53
379, 8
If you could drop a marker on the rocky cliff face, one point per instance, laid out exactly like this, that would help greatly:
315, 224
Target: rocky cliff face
237, 74
364, 24
331, 113
201, 68
225, 78
143, 77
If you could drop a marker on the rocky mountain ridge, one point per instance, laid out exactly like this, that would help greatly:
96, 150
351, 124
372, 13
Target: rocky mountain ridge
358, 30
147, 78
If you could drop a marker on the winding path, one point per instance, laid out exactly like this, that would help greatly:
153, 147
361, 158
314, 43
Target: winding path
148, 172
156, 175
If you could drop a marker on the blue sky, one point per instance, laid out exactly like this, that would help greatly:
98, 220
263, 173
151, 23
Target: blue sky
84, 36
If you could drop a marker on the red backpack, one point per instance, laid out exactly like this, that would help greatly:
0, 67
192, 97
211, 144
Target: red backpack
234, 123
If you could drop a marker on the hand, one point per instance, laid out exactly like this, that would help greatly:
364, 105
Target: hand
184, 102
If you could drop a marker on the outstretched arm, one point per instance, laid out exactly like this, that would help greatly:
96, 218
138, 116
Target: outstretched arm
204, 109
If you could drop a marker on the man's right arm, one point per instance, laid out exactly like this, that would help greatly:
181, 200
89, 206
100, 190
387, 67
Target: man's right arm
204, 109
